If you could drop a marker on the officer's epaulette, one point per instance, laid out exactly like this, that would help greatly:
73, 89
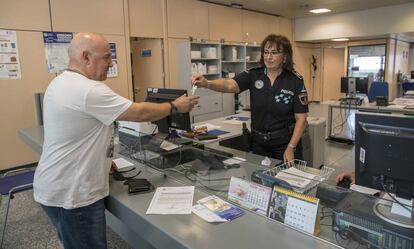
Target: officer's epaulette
297, 74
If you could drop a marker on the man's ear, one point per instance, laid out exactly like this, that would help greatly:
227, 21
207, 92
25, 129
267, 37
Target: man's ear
85, 57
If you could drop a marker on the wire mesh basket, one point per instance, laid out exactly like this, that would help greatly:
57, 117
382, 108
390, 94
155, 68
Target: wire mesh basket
310, 177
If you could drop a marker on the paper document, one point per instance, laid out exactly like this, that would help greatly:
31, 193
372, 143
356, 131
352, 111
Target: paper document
172, 200
234, 160
122, 163
364, 190
295, 177
165, 145
209, 126
145, 155
233, 122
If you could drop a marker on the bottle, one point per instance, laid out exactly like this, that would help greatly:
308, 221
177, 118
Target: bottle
246, 137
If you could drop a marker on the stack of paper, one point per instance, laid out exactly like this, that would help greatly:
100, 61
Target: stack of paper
295, 177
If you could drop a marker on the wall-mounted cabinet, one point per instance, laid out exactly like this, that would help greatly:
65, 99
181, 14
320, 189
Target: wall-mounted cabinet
34, 15
255, 26
146, 18
225, 23
285, 28
274, 24
101, 16
187, 18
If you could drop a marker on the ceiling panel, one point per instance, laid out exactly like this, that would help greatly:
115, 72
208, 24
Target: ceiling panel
300, 8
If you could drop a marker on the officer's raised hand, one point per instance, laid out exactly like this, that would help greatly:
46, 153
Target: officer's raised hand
199, 80
289, 155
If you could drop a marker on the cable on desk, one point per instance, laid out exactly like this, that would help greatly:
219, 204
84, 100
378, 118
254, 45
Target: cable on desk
347, 113
343, 121
348, 234
395, 199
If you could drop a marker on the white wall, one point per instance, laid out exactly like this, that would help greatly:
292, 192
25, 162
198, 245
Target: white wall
372, 22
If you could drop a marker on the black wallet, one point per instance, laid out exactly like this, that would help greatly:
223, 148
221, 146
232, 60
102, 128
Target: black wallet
138, 185
206, 137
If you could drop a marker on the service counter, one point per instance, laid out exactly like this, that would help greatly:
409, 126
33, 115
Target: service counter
126, 214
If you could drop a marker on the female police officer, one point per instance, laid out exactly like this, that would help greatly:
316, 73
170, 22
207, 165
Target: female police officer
278, 100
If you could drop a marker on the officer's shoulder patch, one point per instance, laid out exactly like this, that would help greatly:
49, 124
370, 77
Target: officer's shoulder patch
297, 74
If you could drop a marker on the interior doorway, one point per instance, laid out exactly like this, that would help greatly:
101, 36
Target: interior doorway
333, 70
147, 65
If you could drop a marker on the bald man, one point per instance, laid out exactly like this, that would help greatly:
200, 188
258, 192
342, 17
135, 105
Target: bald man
71, 179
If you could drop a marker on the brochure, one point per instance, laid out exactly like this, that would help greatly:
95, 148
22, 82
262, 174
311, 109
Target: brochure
221, 208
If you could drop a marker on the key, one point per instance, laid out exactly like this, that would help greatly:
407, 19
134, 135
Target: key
193, 89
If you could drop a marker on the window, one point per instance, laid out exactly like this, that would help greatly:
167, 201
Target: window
367, 61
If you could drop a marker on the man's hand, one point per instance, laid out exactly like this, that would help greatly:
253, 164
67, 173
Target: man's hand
113, 168
350, 175
186, 104
199, 80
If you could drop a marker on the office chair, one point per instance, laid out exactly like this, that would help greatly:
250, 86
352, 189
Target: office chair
377, 88
407, 86
12, 182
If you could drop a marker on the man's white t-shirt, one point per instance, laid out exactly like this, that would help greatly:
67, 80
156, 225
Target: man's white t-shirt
78, 116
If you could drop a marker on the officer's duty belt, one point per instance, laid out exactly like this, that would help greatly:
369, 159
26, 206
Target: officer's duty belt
266, 136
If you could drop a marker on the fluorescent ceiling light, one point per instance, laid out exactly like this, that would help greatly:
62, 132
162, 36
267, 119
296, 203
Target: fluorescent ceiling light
236, 5
319, 11
340, 39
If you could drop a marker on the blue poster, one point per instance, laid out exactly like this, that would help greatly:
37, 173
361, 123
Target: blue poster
113, 71
56, 49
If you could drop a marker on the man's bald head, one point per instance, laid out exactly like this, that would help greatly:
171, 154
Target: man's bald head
89, 53
85, 41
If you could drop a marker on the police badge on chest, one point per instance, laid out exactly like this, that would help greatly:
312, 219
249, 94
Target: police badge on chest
259, 84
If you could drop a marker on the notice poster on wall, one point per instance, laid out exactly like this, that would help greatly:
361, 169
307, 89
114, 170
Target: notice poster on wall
113, 71
9, 55
56, 49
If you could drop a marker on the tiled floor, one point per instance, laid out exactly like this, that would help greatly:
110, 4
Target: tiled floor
28, 227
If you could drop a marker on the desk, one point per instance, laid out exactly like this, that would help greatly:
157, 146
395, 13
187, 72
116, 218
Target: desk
366, 107
126, 215
233, 129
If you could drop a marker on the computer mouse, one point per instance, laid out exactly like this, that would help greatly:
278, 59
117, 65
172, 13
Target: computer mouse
344, 183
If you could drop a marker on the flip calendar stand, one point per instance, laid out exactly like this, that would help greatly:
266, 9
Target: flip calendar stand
294, 209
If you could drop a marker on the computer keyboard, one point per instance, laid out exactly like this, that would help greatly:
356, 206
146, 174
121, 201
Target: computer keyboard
351, 101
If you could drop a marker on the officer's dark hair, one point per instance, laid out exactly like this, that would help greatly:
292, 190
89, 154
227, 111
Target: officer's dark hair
282, 44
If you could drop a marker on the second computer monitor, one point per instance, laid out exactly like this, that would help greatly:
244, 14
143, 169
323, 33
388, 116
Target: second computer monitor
353, 85
179, 121
383, 152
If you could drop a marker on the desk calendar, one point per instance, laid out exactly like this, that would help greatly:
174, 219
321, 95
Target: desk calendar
294, 209
249, 195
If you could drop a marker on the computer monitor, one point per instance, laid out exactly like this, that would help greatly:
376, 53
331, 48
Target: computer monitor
384, 152
384, 160
179, 121
353, 85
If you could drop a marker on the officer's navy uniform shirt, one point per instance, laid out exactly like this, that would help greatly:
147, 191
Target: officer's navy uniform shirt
273, 107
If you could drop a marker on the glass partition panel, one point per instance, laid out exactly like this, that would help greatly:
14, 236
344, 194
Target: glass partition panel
303, 198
